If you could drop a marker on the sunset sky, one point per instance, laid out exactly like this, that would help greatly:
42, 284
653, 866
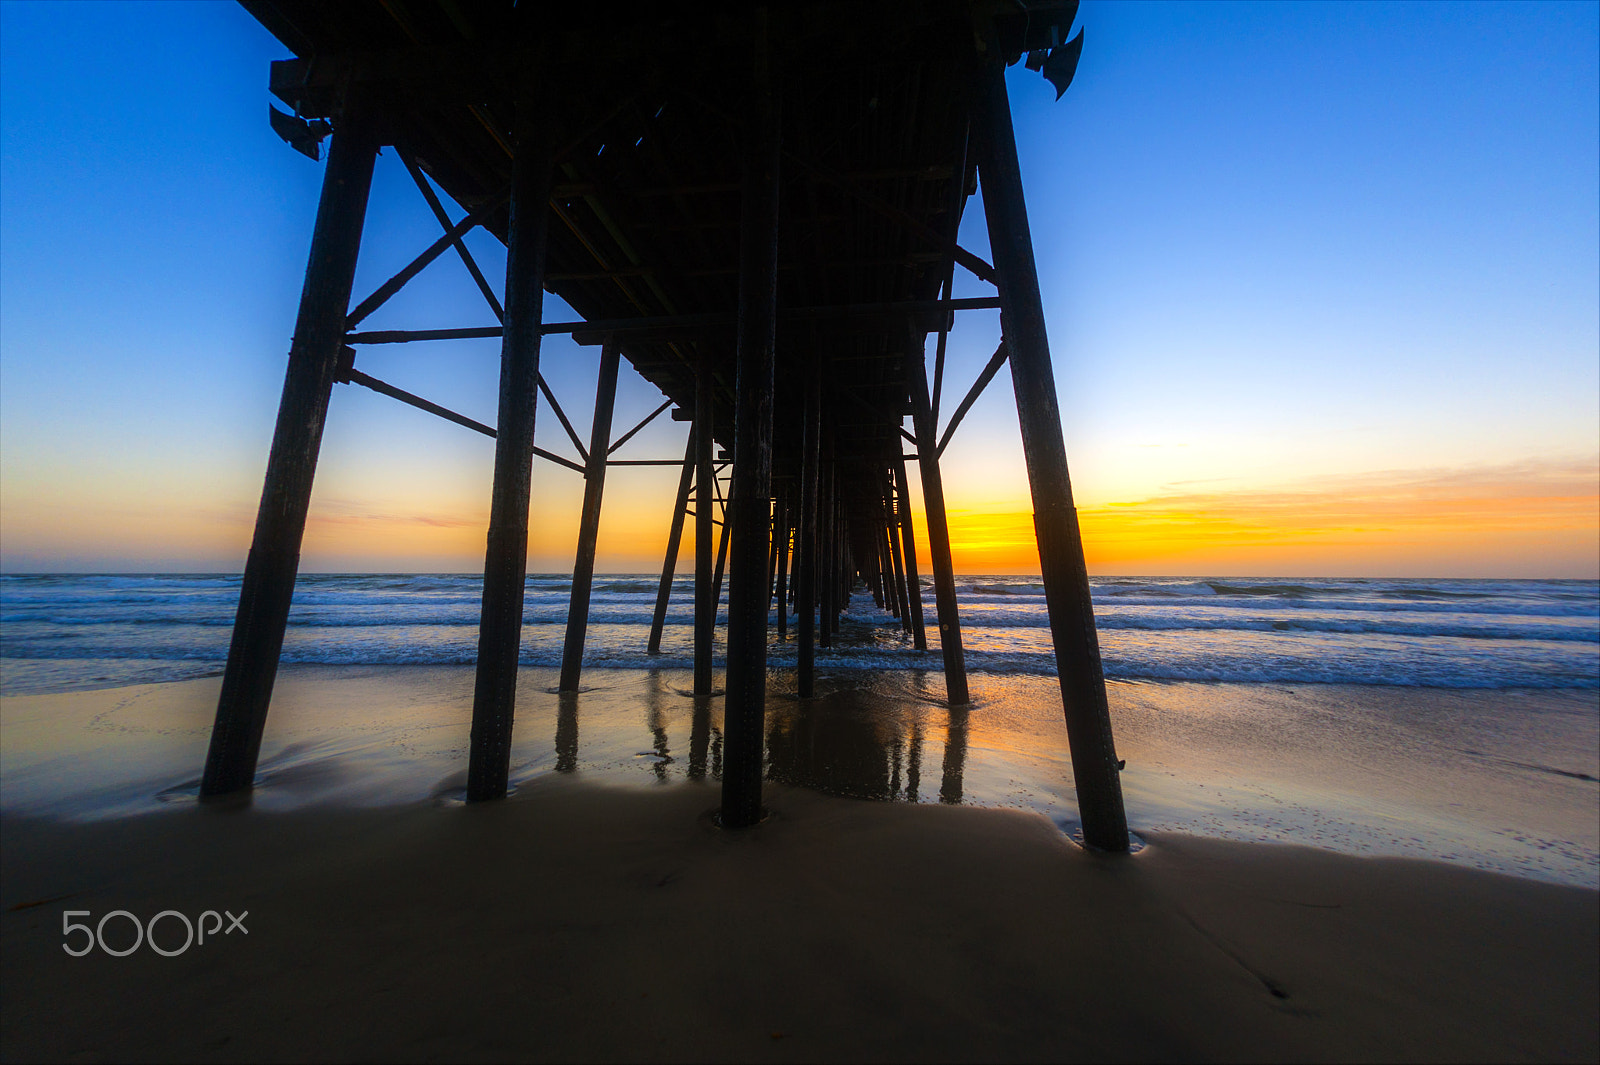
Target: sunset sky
1323, 286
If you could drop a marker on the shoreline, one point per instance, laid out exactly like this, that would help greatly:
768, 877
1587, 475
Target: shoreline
583, 921
1475, 778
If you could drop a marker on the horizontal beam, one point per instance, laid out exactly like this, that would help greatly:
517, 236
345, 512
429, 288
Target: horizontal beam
678, 321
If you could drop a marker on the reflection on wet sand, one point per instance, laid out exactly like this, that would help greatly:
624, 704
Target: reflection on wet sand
567, 732
1407, 772
845, 741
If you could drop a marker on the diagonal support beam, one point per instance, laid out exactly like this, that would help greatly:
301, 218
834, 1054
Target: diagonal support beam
416, 266
625, 437
444, 221
561, 415
996, 361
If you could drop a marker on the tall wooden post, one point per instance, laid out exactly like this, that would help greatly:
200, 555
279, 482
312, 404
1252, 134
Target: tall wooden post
705, 595
594, 486
780, 591
805, 605
1066, 578
892, 530
908, 539
749, 497
722, 555
268, 585
505, 568
827, 552
669, 568
944, 579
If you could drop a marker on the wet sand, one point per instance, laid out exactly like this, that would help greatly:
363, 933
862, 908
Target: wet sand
1503, 781
914, 896
578, 921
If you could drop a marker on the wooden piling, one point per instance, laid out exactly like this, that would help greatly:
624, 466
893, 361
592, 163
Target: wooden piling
267, 588
669, 568
908, 544
505, 567
594, 486
705, 595
805, 606
1066, 579
891, 530
944, 581
827, 553
749, 496
781, 588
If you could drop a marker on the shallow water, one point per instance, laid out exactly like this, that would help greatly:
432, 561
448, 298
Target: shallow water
1504, 780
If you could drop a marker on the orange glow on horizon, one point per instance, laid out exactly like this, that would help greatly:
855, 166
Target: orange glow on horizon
1533, 519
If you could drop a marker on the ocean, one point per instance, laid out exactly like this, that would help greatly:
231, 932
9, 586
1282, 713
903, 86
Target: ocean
1453, 720
70, 632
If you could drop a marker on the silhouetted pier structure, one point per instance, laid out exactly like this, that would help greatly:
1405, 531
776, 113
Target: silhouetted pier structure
757, 207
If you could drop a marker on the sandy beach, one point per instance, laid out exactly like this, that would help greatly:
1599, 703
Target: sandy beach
580, 922
598, 914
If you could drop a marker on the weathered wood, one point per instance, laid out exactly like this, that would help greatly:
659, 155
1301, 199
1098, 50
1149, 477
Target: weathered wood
658, 620
750, 492
594, 487
705, 594
267, 588
505, 567
1095, 766
944, 581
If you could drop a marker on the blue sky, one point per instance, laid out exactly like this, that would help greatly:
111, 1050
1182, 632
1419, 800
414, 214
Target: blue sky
1290, 253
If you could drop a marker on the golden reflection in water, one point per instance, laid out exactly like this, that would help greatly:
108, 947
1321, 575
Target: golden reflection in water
849, 740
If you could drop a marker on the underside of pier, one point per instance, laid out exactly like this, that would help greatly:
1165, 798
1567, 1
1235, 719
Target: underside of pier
757, 207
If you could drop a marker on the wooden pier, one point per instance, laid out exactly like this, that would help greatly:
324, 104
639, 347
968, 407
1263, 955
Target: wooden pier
757, 207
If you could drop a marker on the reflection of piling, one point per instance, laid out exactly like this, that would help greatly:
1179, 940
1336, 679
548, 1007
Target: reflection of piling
955, 755
268, 584
1066, 580
566, 732
589, 525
